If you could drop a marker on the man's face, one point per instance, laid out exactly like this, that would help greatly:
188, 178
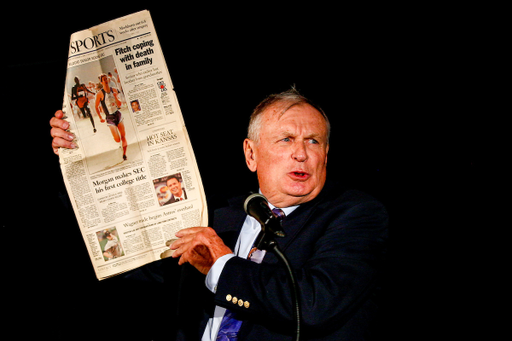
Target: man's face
175, 186
291, 156
104, 80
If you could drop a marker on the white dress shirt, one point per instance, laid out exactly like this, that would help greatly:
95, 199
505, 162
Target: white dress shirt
250, 230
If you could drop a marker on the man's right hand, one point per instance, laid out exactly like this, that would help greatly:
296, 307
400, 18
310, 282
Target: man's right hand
61, 138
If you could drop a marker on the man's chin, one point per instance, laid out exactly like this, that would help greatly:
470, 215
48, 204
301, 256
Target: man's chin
299, 189
297, 197
303, 191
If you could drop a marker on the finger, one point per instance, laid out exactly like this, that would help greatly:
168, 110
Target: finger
182, 260
58, 122
183, 246
188, 231
187, 255
58, 132
177, 252
176, 243
169, 242
59, 114
59, 142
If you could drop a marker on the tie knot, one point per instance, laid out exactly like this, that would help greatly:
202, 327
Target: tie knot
279, 213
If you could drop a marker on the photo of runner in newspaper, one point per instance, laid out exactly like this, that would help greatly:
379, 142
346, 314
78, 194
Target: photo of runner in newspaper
107, 101
80, 93
103, 104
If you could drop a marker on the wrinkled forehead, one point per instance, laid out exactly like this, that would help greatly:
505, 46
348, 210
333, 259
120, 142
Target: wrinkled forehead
278, 109
280, 112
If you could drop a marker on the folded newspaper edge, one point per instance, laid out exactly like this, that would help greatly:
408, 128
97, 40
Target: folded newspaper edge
133, 179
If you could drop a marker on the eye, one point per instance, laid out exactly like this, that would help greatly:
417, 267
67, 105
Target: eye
286, 139
313, 141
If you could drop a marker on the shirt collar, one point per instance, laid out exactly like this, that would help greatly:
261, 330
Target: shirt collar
286, 210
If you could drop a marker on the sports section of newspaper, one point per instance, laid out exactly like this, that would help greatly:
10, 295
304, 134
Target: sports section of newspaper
133, 178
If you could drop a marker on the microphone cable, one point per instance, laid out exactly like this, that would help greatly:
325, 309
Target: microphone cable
293, 287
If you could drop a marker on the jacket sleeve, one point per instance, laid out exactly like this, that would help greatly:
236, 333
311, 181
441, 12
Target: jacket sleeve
336, 261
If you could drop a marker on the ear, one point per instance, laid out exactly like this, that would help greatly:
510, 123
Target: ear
250, 154
326, 153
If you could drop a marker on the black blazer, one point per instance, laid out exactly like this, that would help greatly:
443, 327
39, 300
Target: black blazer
336, 245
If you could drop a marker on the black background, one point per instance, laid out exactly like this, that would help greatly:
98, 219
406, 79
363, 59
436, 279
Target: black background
401, 86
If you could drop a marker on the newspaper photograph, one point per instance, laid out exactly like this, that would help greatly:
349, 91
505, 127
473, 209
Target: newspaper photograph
133, 179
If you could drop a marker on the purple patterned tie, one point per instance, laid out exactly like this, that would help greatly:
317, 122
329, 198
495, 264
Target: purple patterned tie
229, 327
279, 213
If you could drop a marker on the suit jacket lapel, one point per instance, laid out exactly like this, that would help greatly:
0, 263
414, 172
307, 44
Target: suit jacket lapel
295, 222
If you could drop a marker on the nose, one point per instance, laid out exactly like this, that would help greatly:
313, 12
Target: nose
300, 154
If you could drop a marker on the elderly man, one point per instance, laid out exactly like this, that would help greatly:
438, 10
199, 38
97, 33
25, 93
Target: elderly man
335, 240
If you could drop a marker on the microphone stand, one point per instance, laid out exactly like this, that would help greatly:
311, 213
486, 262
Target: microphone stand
266, 241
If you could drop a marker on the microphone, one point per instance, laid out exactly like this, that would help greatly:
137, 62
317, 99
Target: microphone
256, 205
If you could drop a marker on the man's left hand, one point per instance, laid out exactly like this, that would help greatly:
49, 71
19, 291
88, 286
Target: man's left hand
199, 246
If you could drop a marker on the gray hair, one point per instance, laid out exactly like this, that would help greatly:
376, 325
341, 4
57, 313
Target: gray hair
286, 99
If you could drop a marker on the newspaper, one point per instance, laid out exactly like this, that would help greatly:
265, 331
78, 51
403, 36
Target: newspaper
133, 179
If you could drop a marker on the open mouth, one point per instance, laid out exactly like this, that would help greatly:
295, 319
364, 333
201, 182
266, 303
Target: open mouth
299, 175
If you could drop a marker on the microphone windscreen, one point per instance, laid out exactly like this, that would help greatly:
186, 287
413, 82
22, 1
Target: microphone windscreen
254, 196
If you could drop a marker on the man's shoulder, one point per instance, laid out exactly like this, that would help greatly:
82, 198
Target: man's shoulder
337, 200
